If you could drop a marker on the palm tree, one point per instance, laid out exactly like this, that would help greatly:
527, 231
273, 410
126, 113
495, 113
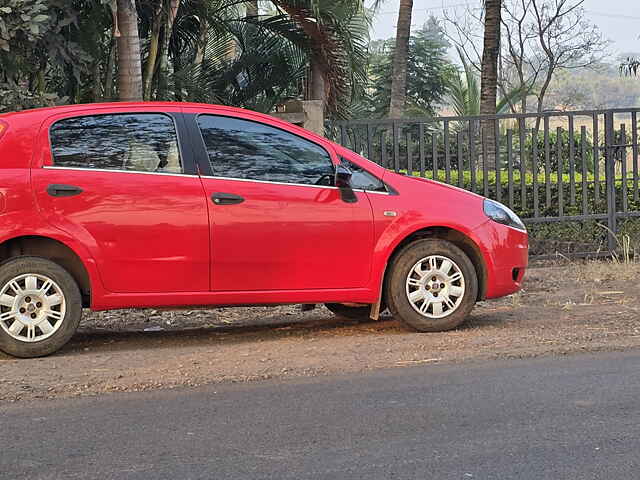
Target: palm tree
129, 65
401, 51
464, 92
335, 35
490, 54
489, 73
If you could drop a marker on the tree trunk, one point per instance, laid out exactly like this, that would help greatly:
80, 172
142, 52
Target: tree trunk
400, 58
318, 85
152, 57
163, 73
129, 65
108, 76
202, 42
252, 8
489, 76
96, 91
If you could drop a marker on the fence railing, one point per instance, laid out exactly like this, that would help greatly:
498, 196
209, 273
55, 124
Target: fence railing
576, 168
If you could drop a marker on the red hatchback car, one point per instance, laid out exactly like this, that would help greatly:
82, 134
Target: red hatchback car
134, 205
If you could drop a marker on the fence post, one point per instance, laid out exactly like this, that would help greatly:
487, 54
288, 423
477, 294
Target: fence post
610, 175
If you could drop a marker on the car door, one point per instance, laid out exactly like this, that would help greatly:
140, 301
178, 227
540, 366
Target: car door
120, 182
277, 223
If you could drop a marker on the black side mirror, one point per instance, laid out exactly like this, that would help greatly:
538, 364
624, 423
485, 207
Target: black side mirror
343, 182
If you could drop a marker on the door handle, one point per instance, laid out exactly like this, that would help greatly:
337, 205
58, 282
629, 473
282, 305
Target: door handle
220, 198
60, 190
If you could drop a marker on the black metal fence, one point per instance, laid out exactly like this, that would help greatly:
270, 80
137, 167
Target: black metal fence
572, 176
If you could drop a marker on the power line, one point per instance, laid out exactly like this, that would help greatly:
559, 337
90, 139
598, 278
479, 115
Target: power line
429, 9
468, 4
613, 15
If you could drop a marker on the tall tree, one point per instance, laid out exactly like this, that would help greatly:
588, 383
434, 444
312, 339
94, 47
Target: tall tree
489, 76
335, 35
429, 73
539, 40
490, 55
129, 63
400, 58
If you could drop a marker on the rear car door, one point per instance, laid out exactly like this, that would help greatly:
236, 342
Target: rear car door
122, 183
277, 223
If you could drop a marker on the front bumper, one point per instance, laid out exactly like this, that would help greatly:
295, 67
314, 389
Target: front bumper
506, 254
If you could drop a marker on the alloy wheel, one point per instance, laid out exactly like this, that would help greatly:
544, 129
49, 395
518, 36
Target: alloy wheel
435, 286
32, 307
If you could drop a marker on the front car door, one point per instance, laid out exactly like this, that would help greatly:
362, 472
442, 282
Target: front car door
277, 222
120, 182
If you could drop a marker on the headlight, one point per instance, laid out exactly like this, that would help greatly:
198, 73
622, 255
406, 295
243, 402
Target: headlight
501, 214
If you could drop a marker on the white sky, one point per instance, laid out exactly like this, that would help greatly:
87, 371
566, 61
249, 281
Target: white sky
619, 20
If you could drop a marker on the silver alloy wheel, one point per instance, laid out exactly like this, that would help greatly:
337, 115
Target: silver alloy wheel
32, 307
435, 286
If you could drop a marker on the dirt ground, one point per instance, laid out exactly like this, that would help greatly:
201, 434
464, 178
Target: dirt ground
563, 309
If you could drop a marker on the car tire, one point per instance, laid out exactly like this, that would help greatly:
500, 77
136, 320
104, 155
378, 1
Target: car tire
352, 313
432, 286
40, 307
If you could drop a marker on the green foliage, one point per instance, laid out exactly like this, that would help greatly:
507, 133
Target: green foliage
53, 51
428, 73
23, 21
37, 50
572, 205
567, 236
565, 151
464, 91
253, 78
12, 98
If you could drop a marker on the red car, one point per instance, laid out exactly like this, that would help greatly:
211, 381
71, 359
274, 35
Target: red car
133, 205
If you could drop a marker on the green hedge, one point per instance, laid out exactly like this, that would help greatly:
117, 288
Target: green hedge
568, 236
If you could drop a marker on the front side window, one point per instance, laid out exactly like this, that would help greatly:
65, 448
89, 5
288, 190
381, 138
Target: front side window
139, 142
254, 151
363, 180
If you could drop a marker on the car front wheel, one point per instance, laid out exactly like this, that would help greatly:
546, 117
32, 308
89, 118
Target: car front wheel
432, 286
40, 307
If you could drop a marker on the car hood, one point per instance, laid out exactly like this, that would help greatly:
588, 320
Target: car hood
391, 175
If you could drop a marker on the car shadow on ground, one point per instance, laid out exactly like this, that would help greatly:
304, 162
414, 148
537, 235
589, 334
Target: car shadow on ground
266, 329
242, 334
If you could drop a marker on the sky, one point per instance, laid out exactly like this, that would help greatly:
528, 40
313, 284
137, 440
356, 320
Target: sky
619, 20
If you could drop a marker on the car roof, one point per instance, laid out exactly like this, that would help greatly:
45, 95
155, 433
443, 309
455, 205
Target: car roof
44, 112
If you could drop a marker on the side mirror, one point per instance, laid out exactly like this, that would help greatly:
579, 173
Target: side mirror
343, 182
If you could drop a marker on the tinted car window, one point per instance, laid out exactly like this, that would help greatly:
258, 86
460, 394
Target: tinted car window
363, 180
144, 142
250, 150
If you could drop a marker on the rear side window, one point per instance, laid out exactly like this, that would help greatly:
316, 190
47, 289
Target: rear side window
255, 151
139, 142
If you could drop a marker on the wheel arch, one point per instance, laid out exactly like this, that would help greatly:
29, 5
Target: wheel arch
54, 250
459, 239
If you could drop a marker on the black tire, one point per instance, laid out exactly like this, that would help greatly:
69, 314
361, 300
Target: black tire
16, 267
352, 313
396, 288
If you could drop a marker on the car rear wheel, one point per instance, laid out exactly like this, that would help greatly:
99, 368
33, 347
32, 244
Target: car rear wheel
432, 286
40, 307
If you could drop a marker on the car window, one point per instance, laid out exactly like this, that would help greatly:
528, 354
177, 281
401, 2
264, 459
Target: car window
141, 142
251, 150
363, 180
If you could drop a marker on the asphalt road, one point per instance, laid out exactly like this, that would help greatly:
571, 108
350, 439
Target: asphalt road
553, 418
